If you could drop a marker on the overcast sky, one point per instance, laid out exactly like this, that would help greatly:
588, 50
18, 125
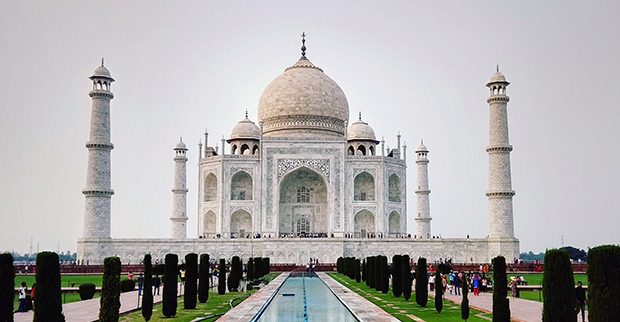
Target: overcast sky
414, 67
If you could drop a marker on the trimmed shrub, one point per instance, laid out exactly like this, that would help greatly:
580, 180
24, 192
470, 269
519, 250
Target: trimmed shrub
159, 269
110, 290
501, 308
339, 265
87, 291
358, 276
191, 281
363, 272
147, 289
603, 283
421, 283
203, 278
438, 292
221, 279
385, 283
236, 270
397, 286
558, 288
250, 268
7, 287
464, 301
169, 296
258, 266
128, 285
48, 306
267, 266
405, 276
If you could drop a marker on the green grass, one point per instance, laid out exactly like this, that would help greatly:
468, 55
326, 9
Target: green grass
216, 306
536, 278
66, 280
399, 308
66, 298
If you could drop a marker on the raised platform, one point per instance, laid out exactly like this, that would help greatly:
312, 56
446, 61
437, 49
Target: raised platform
300, 250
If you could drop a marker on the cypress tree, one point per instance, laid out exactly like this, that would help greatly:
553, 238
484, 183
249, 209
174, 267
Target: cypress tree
465, 301
378, 275
339, 265
501, 307
603, 283
250, 268
397, 287
438, 292
558, 287
405, 275
191, 281
110, 290
147, 290
203, 278
364, 270
267, 265
169, 300
421, 283
221, 279
386, 276
370, 278
48, 306
236, 272
358, 276
7, 287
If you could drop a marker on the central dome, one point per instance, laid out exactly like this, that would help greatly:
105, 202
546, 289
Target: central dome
303, 102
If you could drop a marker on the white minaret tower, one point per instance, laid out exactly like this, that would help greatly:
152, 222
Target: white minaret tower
98, 192
179, 192
423, 218
500, 191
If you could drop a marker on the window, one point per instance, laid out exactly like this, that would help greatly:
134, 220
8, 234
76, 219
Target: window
303, 195
303, 225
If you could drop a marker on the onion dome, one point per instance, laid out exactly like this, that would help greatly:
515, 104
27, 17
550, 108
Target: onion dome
303, 98
497, 77
102, 72
245, 129
422, 147
361, 131
180, 145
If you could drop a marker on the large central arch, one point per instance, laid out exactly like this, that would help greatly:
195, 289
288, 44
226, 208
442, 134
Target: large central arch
303, 203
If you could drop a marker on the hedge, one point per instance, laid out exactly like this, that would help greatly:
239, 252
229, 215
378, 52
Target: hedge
87, 291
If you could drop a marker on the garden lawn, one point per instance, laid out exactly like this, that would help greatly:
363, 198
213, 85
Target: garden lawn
216, 306
536, 278
67, 280
66, 298
399, 308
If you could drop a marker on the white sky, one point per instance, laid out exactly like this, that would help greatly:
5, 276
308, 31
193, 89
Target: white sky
414, 67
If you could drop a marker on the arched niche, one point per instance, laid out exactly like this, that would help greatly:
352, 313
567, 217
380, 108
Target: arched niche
241, 186
364, 187
363, 224
240, 224
394, 188
303, 196
394, 224
210, 188
209, 224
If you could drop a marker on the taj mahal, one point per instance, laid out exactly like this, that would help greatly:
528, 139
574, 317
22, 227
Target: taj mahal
303, 181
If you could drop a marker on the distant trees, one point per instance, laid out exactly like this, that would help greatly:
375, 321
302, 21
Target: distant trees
7, 287
558, 288
221, 279
147, 290
603, 283
421, 283
501, 308
465, 300
110, 290
169, 305
191, 281
203, 278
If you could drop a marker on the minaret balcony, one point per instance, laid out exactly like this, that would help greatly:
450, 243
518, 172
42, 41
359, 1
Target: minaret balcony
500, 194
498, 98
101, 93
99, 146
96, 192
499, 148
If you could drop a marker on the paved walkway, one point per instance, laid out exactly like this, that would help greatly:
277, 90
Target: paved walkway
248, 308
88, 310
520, 309
363, 309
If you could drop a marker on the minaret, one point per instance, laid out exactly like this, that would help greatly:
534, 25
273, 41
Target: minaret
500, 184
179, 192
98, 192
423, 218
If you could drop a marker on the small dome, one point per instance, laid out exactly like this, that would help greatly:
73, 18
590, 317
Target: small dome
102, 72
422, 147
361, 131
180, 145
245, 129
498, 77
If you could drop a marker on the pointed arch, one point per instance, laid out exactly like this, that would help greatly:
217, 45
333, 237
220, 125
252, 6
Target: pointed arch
394, 229
209, 222
245, 149
210, 188
361, 150
303, 196
233, 149
371, 150
241, 186
255, 149
351, 150
364, 187
394, 188
240, 224
363, 224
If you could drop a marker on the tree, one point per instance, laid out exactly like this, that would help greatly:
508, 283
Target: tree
501, 307
358, 276
397, 287
203, 278
421, 283
378, 273
558, 287
110, 290
48, 306
603, 283
236, 269
364, 271
169, 300
250, 268
465, 301
191, 281
405, 275
7, 287
385, 269
147, 290
221, 279
438, 292
370, 272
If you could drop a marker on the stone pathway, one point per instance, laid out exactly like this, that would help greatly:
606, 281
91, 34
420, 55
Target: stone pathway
248, 308
88, 310
361, 307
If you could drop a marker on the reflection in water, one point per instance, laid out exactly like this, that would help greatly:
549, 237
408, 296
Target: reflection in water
320, 303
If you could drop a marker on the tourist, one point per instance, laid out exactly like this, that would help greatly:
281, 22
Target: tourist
22, 298
32, 290
476, 284
457, 283
156, 284
140, 281
431, 282
483, 284
130, 276
580, 294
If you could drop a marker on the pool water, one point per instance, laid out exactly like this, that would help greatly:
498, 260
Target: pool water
305, 299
